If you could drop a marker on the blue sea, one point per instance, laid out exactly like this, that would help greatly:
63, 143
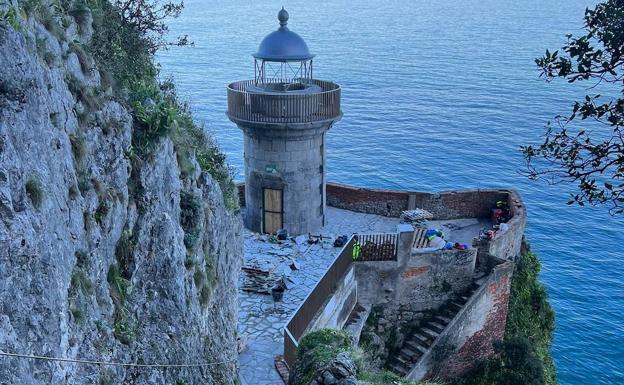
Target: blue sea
437, 95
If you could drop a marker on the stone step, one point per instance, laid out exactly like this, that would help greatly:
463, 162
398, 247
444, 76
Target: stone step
403, 360
455, 307
441, 319
421, 339
479, 275
435, 326
432, 333
414, 345
356, 314
408, 354
398, 370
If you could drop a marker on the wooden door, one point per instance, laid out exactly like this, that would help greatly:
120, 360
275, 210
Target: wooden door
273, 214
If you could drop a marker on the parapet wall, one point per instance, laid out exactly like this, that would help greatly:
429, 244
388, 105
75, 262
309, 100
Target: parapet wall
443, 205
419, 282
470, 336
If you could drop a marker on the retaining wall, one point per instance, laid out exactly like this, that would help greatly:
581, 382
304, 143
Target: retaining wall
469, 337
420, 282
443, 205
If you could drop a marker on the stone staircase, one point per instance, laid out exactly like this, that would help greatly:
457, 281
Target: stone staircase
422, 337
355, 322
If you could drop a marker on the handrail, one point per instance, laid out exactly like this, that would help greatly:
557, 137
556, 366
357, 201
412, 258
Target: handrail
275, 107
307, 310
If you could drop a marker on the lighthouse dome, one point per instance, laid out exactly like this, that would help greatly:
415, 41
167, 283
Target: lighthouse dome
283, 45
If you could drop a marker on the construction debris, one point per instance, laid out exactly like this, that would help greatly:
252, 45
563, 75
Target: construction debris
417, 217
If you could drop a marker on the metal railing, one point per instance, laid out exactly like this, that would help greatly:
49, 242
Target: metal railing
308, 309
378, 247
276, 107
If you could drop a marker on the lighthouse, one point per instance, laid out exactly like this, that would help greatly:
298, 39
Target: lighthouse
284, 113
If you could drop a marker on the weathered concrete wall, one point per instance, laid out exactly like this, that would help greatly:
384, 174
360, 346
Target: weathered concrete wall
423, 281
336, 310
469, 337
443, 205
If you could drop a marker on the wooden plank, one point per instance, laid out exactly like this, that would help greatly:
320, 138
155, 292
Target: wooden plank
272, 222
272, 200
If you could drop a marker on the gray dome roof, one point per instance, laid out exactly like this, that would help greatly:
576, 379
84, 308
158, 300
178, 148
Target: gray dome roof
283, 44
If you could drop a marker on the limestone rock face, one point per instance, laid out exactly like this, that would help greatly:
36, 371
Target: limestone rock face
93, 259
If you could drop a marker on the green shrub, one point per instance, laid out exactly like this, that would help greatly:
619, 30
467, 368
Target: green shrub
119, 286
30, 7
199, 277
79, 147
9, 17
35, 192
124, 327
190, 216
317, 349
84, 94
383, 377
45, 14
86, 63
101, 212
44, 52
530, 314
80, 281
80, 12
124, 253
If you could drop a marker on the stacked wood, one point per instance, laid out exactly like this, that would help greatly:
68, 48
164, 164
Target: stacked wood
257, 280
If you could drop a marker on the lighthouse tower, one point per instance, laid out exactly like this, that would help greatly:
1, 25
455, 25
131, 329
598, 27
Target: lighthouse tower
284, 114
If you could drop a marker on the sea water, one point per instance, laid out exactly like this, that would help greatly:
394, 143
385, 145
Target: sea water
436, 95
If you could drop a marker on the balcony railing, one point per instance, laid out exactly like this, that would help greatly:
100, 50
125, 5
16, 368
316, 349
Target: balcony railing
378, 247
275, 107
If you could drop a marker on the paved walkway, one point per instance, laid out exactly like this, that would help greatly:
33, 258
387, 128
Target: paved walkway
260, 320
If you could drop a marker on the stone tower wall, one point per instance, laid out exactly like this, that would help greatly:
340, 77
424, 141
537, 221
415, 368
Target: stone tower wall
294, 164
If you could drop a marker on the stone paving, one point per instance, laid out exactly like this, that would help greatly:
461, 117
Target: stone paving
261, 321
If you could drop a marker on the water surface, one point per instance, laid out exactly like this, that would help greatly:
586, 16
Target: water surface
437, 95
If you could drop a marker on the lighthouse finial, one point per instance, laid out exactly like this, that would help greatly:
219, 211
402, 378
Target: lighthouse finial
282, 16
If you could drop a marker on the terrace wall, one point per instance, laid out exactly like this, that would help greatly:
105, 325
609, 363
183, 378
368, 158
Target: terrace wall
417, 283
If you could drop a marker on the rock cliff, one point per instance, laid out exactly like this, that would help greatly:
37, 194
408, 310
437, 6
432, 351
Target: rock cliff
106, 254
